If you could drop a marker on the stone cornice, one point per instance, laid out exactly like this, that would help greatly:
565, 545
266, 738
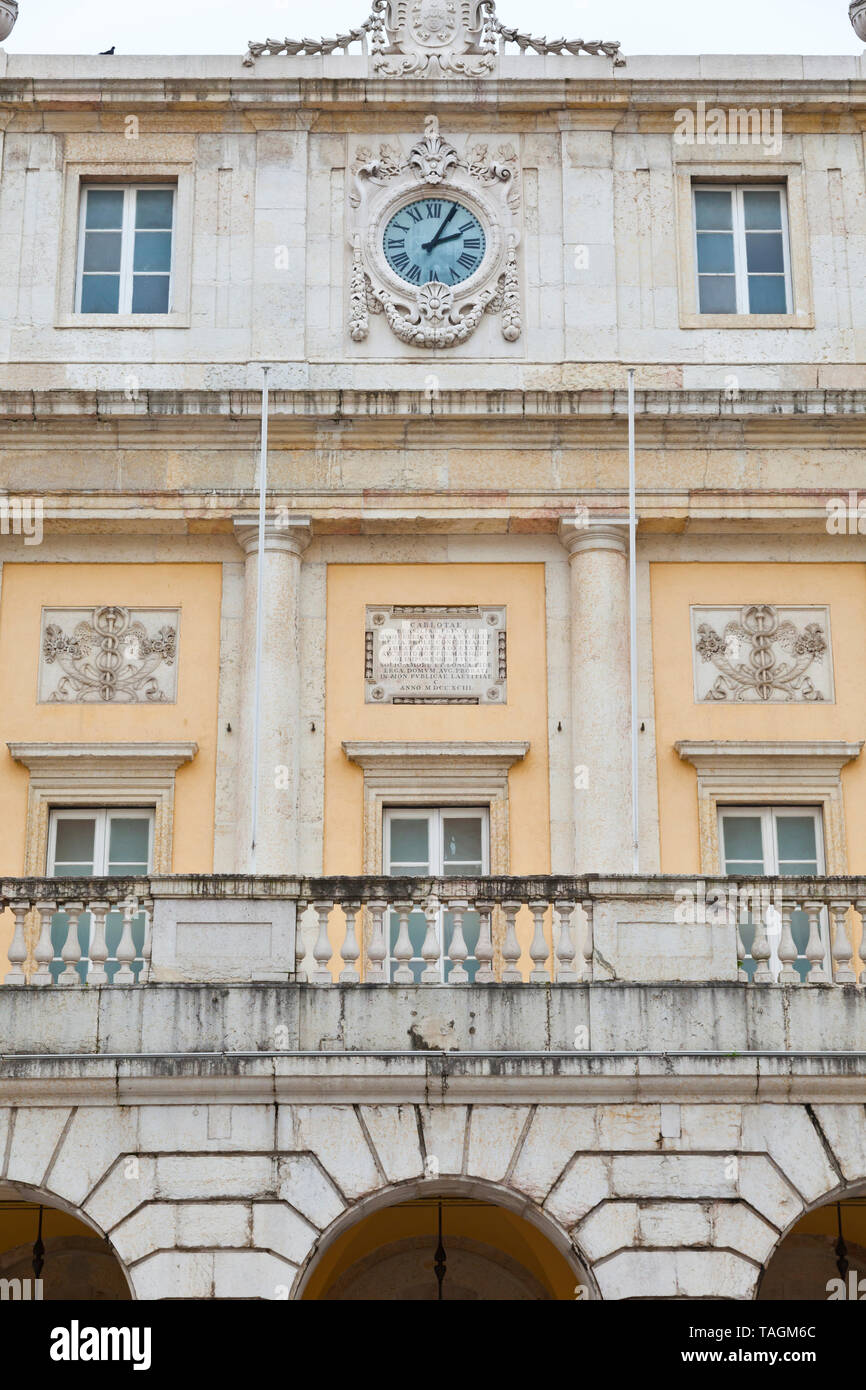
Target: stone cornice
194, 84
334, 406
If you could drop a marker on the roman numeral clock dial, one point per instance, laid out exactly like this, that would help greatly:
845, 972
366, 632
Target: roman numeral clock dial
434, 239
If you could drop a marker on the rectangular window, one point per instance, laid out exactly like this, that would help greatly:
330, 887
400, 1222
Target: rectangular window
743, 256
436, 843
125, 249
773, 841
93, 843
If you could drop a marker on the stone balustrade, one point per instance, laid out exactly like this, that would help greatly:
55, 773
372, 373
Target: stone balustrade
428, 931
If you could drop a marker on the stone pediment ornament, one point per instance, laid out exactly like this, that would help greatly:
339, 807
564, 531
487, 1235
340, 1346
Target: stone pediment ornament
486, 185
432, 38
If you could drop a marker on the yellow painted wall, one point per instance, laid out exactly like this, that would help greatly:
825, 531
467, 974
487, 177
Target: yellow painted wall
195, 589
521, 588
674, 588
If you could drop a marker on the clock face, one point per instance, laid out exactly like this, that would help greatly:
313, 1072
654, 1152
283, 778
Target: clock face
434, 239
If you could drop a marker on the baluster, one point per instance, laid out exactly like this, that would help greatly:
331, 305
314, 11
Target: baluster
431, 952
458, 950
126, 946
44, 952
322, 951
18, 948
761, 952
511, 946
147, 943
351, 950
787, 949
377, 950
816, 951
860, 905
538, 949
843, 945
566, 950
403, 946
96, 975
588, 944
302, 975
71, 953
740, 916
484, 950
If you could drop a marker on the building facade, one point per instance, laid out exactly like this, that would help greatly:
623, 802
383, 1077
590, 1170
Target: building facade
321, 913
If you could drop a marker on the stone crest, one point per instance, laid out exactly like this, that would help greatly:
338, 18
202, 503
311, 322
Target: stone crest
761, 654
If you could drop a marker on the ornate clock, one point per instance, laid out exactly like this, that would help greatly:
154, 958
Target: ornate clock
434, 241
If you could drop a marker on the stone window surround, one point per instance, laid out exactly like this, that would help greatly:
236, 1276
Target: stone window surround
770, 773
431, 774
743, 170
100, 774
143, 170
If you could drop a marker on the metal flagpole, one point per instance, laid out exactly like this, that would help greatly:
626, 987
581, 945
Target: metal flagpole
632, 587
260, 595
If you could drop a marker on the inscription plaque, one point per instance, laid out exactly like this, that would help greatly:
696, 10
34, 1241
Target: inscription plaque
435, 656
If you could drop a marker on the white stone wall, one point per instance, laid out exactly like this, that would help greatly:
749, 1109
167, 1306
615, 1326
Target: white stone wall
266, 274
224, 1200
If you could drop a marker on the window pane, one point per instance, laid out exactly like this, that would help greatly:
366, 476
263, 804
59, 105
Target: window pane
75, 842
152, 251
718, 294
462, 839
409, 842
100, 294
767, 294
128, 843
713, 210
764, 253
150, 294
102, 251
795, 837
153, 207
743, 839
715, 253
763, 210
104, 207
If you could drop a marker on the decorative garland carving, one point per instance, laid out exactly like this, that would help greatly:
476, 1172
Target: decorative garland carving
430, 38
760, 656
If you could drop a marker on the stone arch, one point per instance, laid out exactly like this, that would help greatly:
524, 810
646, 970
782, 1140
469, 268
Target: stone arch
66, 1248
491, 1194
812, 1249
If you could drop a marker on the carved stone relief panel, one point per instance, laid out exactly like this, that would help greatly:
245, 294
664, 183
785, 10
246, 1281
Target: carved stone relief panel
762, 654
108, 655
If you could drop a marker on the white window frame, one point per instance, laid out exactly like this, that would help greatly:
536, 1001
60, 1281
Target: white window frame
434, 816
103, 816
741, 272
769, 814
127, 245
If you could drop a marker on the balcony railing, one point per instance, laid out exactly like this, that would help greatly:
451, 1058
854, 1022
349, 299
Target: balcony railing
429, 931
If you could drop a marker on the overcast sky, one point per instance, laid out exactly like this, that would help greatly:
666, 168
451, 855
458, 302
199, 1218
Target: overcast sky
642, 26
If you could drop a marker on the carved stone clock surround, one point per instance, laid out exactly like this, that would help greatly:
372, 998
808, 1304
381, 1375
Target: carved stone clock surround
434, 315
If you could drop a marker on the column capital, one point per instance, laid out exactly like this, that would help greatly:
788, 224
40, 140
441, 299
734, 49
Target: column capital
290, 536
579, 536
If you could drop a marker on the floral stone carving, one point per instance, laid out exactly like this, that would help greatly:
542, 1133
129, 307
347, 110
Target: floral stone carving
761, 653
108, 655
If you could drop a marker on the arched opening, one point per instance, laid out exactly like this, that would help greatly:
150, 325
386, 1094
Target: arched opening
48, 1252
457, 1237
822, 1257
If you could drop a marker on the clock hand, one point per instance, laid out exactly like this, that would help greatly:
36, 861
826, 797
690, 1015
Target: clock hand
455, 236
428, 245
